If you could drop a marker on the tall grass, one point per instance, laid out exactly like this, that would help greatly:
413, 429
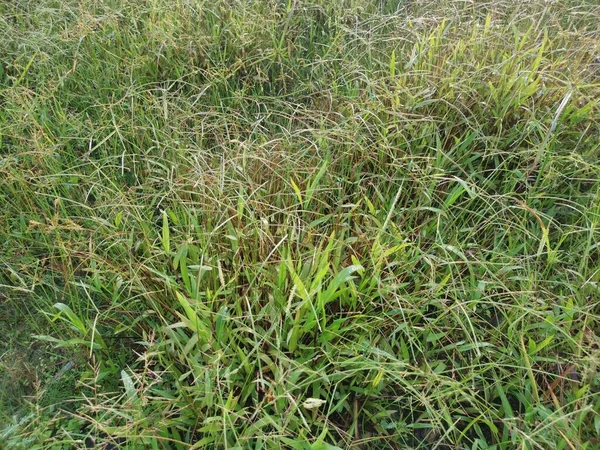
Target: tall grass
304, 225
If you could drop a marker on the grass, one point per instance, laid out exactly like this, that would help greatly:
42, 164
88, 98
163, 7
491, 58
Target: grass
304, 225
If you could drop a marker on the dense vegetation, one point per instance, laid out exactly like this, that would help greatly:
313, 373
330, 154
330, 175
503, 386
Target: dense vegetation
318, 224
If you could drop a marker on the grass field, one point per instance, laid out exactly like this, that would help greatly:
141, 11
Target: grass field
320, 224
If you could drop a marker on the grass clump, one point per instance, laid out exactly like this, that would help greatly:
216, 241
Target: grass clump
304, 225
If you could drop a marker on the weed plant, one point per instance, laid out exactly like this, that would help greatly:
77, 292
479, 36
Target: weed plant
317, 224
